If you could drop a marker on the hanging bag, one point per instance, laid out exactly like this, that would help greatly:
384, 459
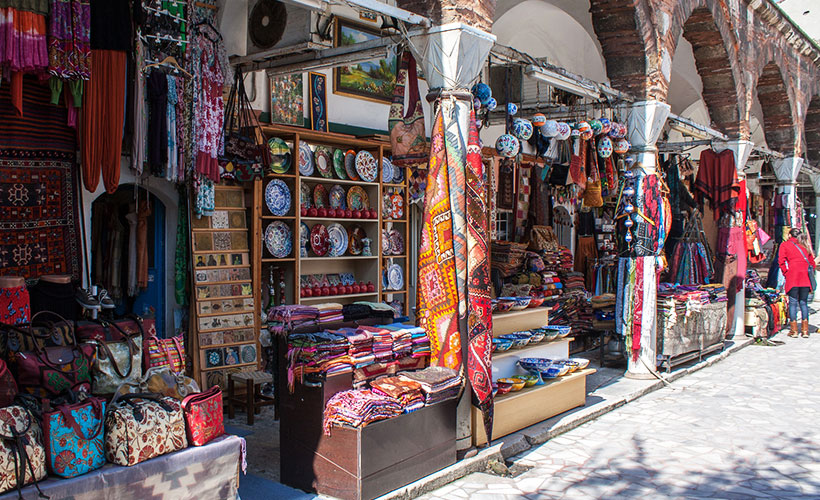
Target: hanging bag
407, 136
142, 426
203, 416
22, 455
74, 438
246, 155
116, 361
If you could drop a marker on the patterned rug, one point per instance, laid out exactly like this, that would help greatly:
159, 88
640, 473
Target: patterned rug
39, 227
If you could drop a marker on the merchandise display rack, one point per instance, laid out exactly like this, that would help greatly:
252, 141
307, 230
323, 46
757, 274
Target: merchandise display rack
364, 268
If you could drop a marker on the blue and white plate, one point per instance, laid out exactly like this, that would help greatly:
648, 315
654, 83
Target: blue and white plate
336, 197
395, 277
347, 278
306, 165
277, 197
338, 239
387, 170
398, 174
278, 239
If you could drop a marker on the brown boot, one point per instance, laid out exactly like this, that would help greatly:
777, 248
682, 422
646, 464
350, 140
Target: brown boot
805, 328
793, 329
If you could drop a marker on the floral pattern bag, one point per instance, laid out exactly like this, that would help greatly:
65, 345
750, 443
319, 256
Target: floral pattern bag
203, 416
8, 386
22, 456
74, 438
142, 426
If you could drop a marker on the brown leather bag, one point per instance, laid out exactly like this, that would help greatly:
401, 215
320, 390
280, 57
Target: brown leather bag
407, 136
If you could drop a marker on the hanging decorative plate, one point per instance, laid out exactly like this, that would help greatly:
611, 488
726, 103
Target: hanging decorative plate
323, 162
304, 238
397, 206
277, 197
278, 239
320, 196
319, 240
279, 155
395, 277
339, 164
398, 174
357, 199
338, 239
306, 165
350, 165
396, 242
347, 278
304, 196
366, 166
386, 247
356, 236
387, 170
337, 197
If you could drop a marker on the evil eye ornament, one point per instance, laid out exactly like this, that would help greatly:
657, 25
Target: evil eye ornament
605, 147
630, 191
564, 131
507, 145
549, 128
606, 125
538, 119
629, 174
491, 104
522, 128
629, 208
628, 237
512, 108
628, 223
482, 92
596, 126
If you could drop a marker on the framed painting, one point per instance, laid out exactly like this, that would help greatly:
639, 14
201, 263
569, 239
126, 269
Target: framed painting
371, 80
287, 100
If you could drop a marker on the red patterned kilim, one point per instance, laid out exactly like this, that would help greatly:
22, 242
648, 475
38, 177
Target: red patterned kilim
480, 319
437, 294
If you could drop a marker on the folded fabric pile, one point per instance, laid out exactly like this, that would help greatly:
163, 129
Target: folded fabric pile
358, 408
438, 383
361, 346
402, 339
330, 312
320, 352
406, 392
603, 307
421, 342
382, 342
507, 257
282, 319
379, 310
717, 292
362, 310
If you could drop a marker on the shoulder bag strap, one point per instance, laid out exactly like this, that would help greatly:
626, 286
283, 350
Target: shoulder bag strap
414, 109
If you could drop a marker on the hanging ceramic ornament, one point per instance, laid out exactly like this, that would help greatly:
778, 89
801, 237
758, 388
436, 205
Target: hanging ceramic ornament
628, 222
477, 103
629, 208
491, 104
605, 147
507, 145
629, 161
596, 126
629, 191
549, 128
628, 237
522, 128
482, 92
621, 146
512, 109
538, 119
606, 125
564, 131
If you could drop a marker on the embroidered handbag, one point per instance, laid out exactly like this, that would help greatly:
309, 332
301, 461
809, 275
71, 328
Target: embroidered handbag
162, 381
46, 329
22, 456
407, 135
8, 386
245, 156
117, 361
49, 371
203, 416
74, 438
164, 352
142, 426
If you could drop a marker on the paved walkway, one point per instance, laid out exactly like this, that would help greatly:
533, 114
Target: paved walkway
747, 427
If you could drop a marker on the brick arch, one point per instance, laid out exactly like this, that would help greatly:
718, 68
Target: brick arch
812, 129
625, 32
775, 99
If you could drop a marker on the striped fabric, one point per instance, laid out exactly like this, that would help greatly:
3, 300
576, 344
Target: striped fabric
42, 127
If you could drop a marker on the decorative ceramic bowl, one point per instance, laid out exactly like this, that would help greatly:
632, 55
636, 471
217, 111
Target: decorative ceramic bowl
522, 128
536, 301
521, 303
514, 383
572, 365
504, 305
549, 128
537, 336
504, 387
561, 331
529, 380
507, 145
517, 339
501, 345
564, 131
535, 364
605, 147
582, 362
555, 370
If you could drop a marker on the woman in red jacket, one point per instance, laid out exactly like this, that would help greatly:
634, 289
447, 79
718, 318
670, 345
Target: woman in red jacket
794, 260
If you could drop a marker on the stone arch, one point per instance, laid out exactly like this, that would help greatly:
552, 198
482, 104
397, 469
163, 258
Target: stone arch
812, 129
625, 31
778, 119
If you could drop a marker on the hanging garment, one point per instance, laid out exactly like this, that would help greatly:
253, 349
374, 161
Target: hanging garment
142, 243
157, 89
208, 106
171, 172
181, 253
23, 46
132, 254
139, 112
717, 181
69, 46
522, 204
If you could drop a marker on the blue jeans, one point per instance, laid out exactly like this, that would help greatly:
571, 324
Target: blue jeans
799, 295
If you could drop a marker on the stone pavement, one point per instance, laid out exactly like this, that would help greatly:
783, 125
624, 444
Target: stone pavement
746, 427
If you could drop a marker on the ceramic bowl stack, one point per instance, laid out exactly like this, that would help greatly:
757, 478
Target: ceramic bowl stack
535, 365
501, 345
537, 336
560, 331
519, 339
521, 303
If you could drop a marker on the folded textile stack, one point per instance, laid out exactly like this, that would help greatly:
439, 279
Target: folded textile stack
421, 342
406, 392
358, 408
438, 383
507, 257
361, 346
330, 312
320, 352
382, 342
402, 339
717, 292
282, 319
551, 285
603, 307
362, 310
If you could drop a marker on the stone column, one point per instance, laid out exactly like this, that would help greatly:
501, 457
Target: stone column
645, 123
786, 170
741, 149
815, 182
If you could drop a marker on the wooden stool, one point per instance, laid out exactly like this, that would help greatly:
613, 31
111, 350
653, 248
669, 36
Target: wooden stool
253, 400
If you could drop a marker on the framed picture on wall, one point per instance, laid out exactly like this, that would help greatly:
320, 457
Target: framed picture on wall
371, 80
287, 101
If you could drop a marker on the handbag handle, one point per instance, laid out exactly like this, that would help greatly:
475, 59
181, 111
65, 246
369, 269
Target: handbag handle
200, 396
65, 410
114, 364
164, 350
407, 73
150, 396
13, 428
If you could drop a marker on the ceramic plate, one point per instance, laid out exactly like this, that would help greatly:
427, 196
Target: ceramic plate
387, 170
304, 196
386, 245
306, 165
396, 242
277, 197
339, 164
387, 205
350, 165
395, 277
304, 238
338, 239
357, 199
278, 239
347, 278
319, 240
337, 197
356, 236
323, 162
398, 174
320, 196
279, 155
397, 206
366, 166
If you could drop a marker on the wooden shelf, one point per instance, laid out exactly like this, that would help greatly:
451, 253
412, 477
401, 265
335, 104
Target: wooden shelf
278, 176
402, 256
387, 184
336, 297
319, 138
278, 217
514, 321
347, 257
340, 219
524, 352
271, 260
324, 180
386, 291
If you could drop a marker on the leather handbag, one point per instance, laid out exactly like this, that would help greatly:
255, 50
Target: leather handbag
49, 371
161, 381
164, 352
142, 426
22, 456
8, 386
408, 138
74, 438
203, 416
117, 361
46, 329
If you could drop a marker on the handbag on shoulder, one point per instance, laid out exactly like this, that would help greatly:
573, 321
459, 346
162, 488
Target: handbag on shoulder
74, 437
142, 426
22, 455
203, 416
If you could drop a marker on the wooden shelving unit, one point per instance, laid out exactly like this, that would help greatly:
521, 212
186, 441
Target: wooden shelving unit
366, 269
